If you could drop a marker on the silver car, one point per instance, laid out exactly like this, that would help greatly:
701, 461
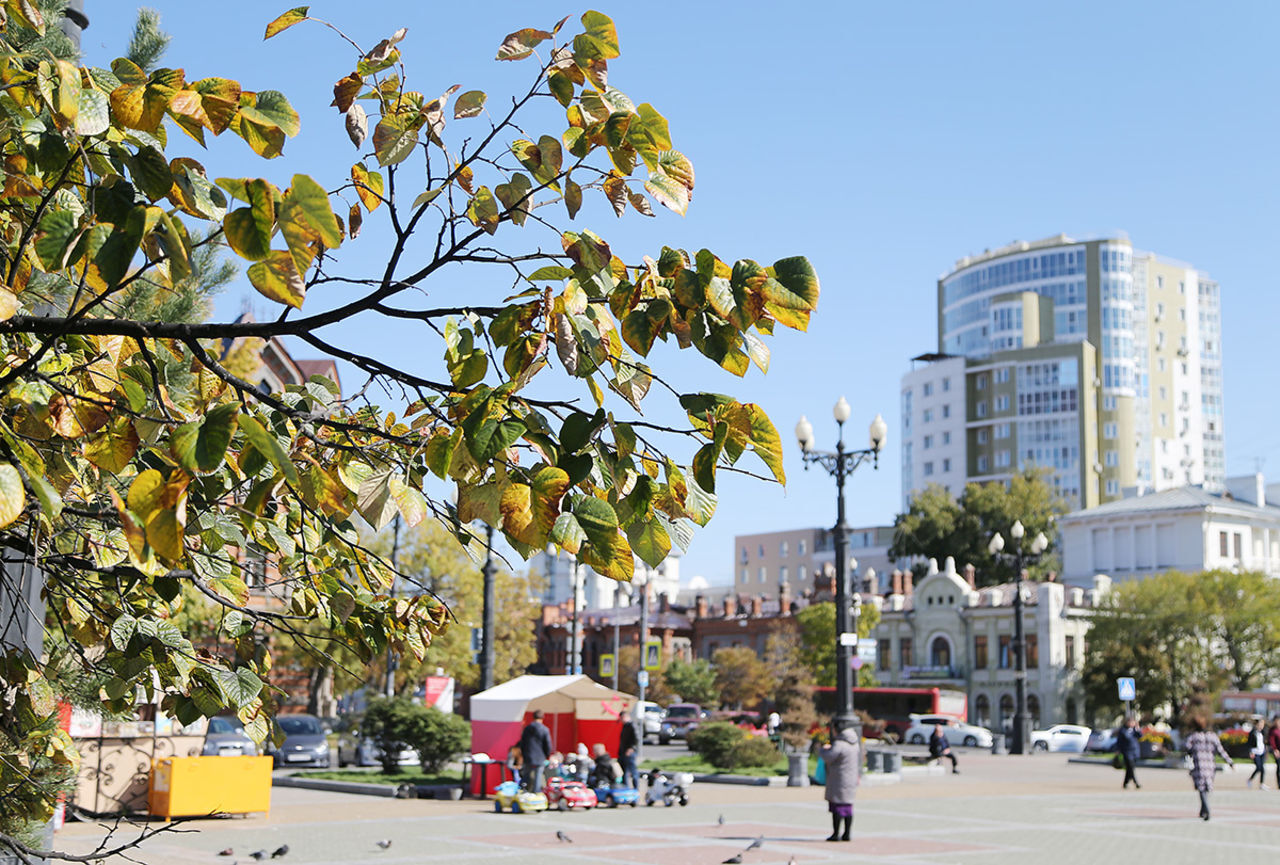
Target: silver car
226, 738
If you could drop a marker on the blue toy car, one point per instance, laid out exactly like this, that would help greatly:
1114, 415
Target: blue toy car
617, 794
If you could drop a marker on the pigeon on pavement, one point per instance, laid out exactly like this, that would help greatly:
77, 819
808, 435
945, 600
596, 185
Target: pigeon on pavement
758, 842
734, 859
563, 837
384, 843
258, 854
227, 852
720, 820
280, 852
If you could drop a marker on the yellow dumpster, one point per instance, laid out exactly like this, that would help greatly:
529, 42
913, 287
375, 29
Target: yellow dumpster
193, 786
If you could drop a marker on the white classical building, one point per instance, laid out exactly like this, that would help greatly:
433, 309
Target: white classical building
1187, 529
947, 633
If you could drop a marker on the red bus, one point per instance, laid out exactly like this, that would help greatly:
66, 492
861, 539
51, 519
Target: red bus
894, 706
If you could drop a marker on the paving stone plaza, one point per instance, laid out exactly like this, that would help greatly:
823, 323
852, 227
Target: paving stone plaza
1000, 809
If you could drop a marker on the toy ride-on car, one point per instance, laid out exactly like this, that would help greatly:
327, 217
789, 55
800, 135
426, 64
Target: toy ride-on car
617, 794
509, 795
668, 789
564, 793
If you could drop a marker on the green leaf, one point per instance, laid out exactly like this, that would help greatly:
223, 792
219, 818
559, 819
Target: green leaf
201, 446
483, 210
469, 104
600, 41
520, 44
13, 497
114, 448
240, 687
122, 631
791, 292
568, 533
277, 278
374, 500
606, 549
515, 197
287, 20
766, 442
550, 273
704, 465
426, 197
669, 192
393, 140
94, 116
47, 495
150, 172
650, 541
409, 501
248, 229
314, 204
268, 446
57, 230
271, 108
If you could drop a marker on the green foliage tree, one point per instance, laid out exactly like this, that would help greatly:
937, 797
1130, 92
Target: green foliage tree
793, 694
1179, 634
817, 627
936, 525
742, 677
133, 463
715, 741
393, 724
693, 682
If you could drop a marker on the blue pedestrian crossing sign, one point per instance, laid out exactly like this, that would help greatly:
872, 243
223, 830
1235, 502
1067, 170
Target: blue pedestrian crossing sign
1126, 688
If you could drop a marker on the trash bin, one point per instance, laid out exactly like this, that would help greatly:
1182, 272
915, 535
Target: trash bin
194, 786
874, 761
997, 744
798, 769
892, 762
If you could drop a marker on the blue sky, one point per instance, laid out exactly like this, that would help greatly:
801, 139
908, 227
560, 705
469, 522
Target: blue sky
883, 141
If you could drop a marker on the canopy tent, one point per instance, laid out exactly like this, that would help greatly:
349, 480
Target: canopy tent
576, 710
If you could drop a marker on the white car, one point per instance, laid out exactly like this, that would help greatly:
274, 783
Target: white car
957, 732
1061, 737
651, 715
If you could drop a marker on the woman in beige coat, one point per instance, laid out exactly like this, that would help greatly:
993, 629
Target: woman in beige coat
843, 759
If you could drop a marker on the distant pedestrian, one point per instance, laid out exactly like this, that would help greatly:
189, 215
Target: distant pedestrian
1202, 746
1273, 745
1258, 751
843, 762
772, 723
628, 741
939, 747
1129, 746
535, 747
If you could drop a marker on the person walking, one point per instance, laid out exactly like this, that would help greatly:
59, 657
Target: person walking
1129, 745
842, 759
1273, 745
1258, 751
939, 747
628, 741
535, 747
1202, 746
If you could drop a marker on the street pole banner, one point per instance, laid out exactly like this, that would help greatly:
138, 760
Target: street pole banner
606, 666
653, 655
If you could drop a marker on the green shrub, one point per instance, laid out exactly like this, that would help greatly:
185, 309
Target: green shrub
753, 751
715, 741
438, 737
390, 722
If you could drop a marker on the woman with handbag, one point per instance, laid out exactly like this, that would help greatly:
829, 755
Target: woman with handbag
1202, 747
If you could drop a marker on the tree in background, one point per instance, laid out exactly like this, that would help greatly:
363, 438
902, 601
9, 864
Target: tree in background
693, 682
148, 43
936, 525
742, 677
133, 463
817, 629
1180, 634
793, 693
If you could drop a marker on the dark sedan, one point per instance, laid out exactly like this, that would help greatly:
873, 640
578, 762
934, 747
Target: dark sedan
304, 742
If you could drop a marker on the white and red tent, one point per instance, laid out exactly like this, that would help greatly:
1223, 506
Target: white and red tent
575, 708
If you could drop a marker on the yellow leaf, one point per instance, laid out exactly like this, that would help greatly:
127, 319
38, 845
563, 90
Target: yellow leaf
9, 304
164, 533
114, 449
145, 492
12, 495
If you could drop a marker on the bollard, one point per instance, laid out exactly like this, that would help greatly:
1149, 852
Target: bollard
892, 762
997, 744
874, 763
798, 769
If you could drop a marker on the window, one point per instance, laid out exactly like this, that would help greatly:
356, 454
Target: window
946, 437
946, 464
928, 442
982, 464
1108, 403
928, 468
1109, 430
980, 652
782, 549
782, 574
1004, 659
1113, 458
1071, 652
760, 551
1002, 430
1224, 545
1159, 311
904, 652
984, 436
946, 384
1160, 364
1033, 651
1164, 419
1113, 487
1033, 710
1002, 459
927, 415
928, 388
1164, 392
882, 653
1159, 282
940, 652
1236, 538
980, 383
981, 408
746, 575
802, 572
946, 410
982, 710
1002, 402
763, 574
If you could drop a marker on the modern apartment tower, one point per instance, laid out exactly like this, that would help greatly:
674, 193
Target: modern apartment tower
1089, 358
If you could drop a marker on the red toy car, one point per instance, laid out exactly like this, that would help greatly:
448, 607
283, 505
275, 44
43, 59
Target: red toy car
565, 794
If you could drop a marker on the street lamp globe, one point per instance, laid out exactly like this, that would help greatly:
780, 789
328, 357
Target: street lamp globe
1016, 531
841, 410
804, 433
1040, 544
996, 544
879, 432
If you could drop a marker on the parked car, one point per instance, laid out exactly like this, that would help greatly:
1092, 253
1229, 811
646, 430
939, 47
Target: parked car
1101, 740
226, 738
1061, 737
651, 716
357, 750
304, 743
680, 719
957, 732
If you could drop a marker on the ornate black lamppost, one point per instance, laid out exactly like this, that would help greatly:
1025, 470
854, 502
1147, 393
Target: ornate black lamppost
1021, 729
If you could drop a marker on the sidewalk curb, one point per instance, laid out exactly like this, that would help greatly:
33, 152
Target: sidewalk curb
386, 791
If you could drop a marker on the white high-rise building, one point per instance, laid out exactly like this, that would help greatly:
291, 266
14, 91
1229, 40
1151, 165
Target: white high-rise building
598, 592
